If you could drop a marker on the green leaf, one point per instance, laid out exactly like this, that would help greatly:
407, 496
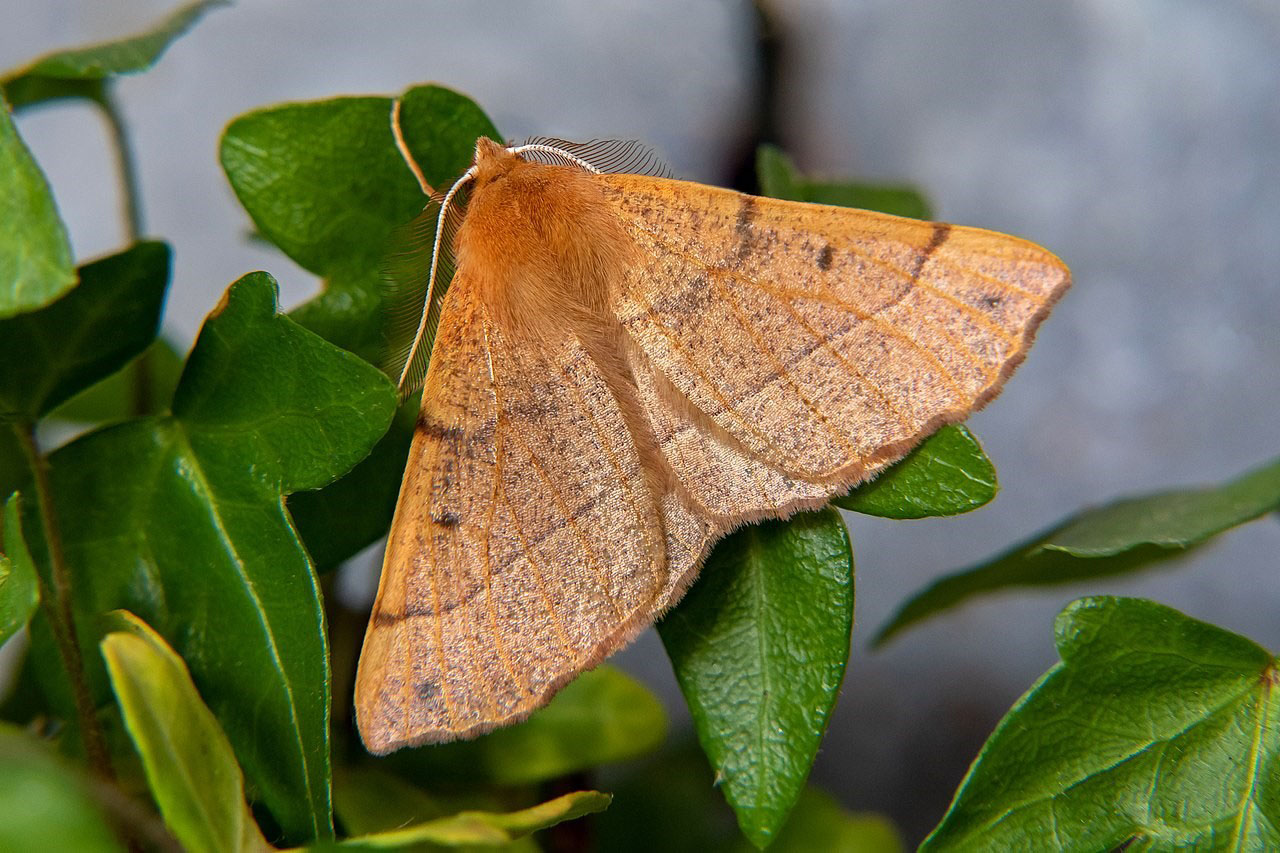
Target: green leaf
1155, 728
191, 770
779, 179
77, 72
759, 647
35, 255
819, 823
19, 584
343, 518
44, 804
325, 182
180, 519
369, 800
486, 828
946, 475
144, 387
601, 717
85, 336
1120, 537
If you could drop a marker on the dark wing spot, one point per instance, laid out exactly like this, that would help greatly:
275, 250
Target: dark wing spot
445, 517
427, 690
742, 226
437, 429
940, 232
824, 258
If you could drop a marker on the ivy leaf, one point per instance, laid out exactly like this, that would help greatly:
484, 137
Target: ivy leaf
340, 520
325, 182
87, 335
759, 647
368, 800
1120, 537
1155, 730
946, 475
78, 72
191, 770
35, 255
19, 584
485, 828
180, 519
601, 717
779, 179
44, 804
143, 387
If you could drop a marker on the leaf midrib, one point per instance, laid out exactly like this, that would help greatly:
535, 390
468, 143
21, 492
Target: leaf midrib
202, 481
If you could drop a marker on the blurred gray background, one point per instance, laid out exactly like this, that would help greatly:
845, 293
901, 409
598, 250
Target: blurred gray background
1139, 140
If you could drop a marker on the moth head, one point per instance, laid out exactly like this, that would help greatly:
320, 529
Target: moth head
493, 161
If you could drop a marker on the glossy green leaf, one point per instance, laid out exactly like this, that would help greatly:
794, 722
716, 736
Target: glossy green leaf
1119, 537
180, 519
45, 804
325, 182
1155, 731
191, 770
77, 72
93, 331
485, 828
779, 179
946, 475
819, 823
369, 800
759, 647
19, 584
601, 717
35, 255
343, 518
144, 387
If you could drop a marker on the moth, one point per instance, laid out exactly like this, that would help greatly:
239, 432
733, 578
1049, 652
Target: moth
627, 367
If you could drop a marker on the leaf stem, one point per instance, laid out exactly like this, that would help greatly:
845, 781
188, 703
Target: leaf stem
130, 193
58, 608
131, 200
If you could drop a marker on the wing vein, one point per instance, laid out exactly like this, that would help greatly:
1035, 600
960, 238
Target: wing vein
625, 481
781, 368
561, 633
498, 644
834, 298
725, 405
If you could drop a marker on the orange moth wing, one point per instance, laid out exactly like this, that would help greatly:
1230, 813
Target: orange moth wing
627, 368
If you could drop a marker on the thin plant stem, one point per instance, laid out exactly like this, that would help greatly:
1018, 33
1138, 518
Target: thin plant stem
131, 200
59, 609
129, 188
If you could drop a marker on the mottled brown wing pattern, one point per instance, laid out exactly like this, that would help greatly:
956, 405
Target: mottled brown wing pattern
526, 545
803, 347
